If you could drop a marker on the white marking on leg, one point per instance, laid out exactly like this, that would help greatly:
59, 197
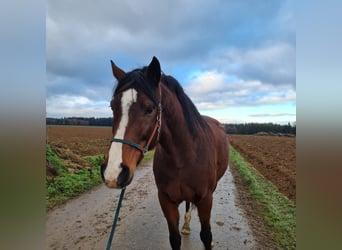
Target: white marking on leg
115, 152
186, 226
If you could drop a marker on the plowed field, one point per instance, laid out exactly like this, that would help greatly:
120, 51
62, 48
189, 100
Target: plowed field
81, 140
273, 156
71, 143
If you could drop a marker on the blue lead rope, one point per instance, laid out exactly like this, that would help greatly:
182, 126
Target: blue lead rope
116, 217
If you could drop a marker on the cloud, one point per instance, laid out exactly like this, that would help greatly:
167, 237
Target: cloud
272, 115
206, 83
79, 106
272, 63
243, 52
182, 31
212, 90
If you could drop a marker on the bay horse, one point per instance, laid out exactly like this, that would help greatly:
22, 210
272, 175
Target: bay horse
152, 111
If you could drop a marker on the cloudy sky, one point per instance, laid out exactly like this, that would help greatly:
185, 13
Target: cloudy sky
234, 58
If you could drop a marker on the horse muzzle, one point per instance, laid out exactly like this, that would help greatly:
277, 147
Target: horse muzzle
122, 180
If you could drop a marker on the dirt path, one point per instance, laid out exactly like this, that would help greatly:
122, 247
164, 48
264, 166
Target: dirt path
85, 222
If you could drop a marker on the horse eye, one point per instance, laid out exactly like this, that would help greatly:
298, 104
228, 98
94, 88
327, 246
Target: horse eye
149, 110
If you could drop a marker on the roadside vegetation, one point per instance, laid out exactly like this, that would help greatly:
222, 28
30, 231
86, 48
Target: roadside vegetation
64, 184
278, 211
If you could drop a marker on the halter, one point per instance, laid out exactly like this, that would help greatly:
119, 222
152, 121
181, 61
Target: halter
156, 129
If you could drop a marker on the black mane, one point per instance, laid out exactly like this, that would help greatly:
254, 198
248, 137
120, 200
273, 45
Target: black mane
191, 114
137, 79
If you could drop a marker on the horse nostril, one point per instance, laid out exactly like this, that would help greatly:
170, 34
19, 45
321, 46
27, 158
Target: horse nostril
123, 176
103, 168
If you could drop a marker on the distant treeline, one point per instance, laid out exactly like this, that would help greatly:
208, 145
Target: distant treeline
253, 128
243, 128
81, 121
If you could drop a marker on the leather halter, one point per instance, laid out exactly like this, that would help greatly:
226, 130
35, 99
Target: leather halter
156, 129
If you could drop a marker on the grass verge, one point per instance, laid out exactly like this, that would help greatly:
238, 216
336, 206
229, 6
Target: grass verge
66, 185
278, 211
148, 156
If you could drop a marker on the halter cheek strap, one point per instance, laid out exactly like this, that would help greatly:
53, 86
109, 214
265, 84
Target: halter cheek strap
132, 144
156, 129
146, 147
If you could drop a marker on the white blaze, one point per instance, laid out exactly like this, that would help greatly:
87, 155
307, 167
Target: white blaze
115, 152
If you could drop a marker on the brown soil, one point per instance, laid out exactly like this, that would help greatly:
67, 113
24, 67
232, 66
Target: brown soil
81, 140
71, 143
273, 156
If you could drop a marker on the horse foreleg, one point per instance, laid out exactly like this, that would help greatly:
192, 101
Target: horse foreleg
204, 211
187, 218
171, 213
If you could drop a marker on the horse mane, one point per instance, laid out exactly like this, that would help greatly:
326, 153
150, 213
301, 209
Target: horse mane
136, 79
192, 117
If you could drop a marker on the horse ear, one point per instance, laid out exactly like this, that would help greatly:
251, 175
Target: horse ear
117, 72
153, 71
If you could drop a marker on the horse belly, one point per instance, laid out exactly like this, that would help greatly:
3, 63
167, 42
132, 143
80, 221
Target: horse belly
221, 147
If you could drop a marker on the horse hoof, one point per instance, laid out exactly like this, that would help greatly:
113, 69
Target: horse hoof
185, 231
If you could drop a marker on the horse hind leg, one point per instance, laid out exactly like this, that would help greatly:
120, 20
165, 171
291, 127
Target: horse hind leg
187, 217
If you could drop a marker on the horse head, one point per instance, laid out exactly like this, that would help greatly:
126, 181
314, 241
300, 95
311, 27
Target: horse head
137, 115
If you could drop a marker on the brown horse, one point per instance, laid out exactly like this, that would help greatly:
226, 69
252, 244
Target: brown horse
150, 111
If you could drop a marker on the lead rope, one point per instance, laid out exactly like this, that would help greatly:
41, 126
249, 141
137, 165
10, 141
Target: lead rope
116, 217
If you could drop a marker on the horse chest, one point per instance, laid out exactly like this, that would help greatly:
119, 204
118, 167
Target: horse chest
180, 187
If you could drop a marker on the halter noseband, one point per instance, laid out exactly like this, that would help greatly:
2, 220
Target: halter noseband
156, 129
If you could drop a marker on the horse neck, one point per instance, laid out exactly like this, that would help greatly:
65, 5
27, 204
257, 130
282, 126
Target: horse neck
174, 131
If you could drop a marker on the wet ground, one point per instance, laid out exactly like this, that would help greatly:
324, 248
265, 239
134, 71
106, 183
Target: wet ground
85, 222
